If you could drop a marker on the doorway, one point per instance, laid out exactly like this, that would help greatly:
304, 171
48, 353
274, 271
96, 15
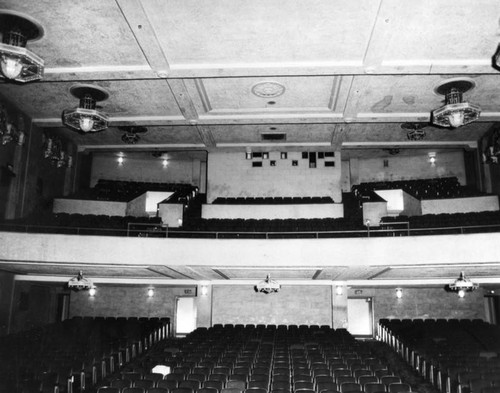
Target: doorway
360, 316
185, 316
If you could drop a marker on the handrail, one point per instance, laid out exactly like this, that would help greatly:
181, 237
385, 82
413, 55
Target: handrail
174, 233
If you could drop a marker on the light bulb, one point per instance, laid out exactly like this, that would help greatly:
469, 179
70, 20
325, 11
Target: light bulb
165, 163
399, 293
92, 291
456, 119
86, 124
461, 293
11, 68
120, 160
151, 292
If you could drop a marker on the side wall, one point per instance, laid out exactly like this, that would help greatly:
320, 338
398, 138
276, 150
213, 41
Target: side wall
409, 167
145, 169
231, 175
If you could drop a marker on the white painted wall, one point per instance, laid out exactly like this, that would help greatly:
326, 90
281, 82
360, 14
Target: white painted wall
411, 167
89, 207
145, 170
323, 210
460, 205
231, 175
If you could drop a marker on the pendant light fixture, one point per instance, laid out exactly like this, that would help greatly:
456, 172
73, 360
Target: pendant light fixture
455, 113
16, 62
86, 118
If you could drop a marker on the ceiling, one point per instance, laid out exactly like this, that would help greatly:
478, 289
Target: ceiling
208, 76
216, 75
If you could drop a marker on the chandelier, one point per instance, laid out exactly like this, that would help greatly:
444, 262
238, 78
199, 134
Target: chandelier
79, 283
455, 113
462, 285
267, 286
16, 62
10, 132
86, 117
54, 151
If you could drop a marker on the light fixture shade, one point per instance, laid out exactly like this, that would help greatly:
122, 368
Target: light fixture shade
16, 62
86, 118
79, 283
462, 285
455, 113
267, 286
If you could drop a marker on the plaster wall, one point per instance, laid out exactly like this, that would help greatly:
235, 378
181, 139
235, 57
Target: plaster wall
231, 175
410, 167
71, 206
146, 169
460, 205
323, 210
412, 206
309, 305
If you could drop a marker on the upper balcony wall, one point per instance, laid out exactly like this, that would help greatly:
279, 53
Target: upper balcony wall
443, 249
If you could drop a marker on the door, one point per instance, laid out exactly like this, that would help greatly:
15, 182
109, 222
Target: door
360, 316
185, 316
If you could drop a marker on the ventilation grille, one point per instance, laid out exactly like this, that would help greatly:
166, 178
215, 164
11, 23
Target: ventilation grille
273, 136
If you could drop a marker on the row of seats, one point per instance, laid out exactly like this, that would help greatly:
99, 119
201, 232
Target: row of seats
444, 220
460, 355
124, 191
74, 354
261, 359
436, 188
271, 200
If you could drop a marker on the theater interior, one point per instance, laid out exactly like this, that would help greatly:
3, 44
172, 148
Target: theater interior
230, 186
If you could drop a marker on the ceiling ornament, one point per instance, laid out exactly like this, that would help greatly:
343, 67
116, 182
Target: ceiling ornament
130, 136
267, 286
414, 131
462, 285
10, 132
268, 89
16, 62
86, 117
54, 151
455, 113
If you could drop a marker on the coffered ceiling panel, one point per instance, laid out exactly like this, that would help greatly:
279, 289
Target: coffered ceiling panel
452, 40
87, 25
238, 33
239, 96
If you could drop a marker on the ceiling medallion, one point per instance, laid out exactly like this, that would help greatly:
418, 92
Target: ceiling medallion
268, 89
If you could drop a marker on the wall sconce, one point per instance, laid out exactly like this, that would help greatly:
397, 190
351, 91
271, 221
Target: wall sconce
151, 292
92, 291
399, 293
432, 158
86, 117
265, 155
339, 290
16, 62
120, 160
248, 154
164, 163
204, 290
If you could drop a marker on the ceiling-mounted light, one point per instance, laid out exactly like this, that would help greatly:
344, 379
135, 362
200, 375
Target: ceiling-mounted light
462, 285
79, 282
267, 286
455, 113
86, 117
414, 131
16, 62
